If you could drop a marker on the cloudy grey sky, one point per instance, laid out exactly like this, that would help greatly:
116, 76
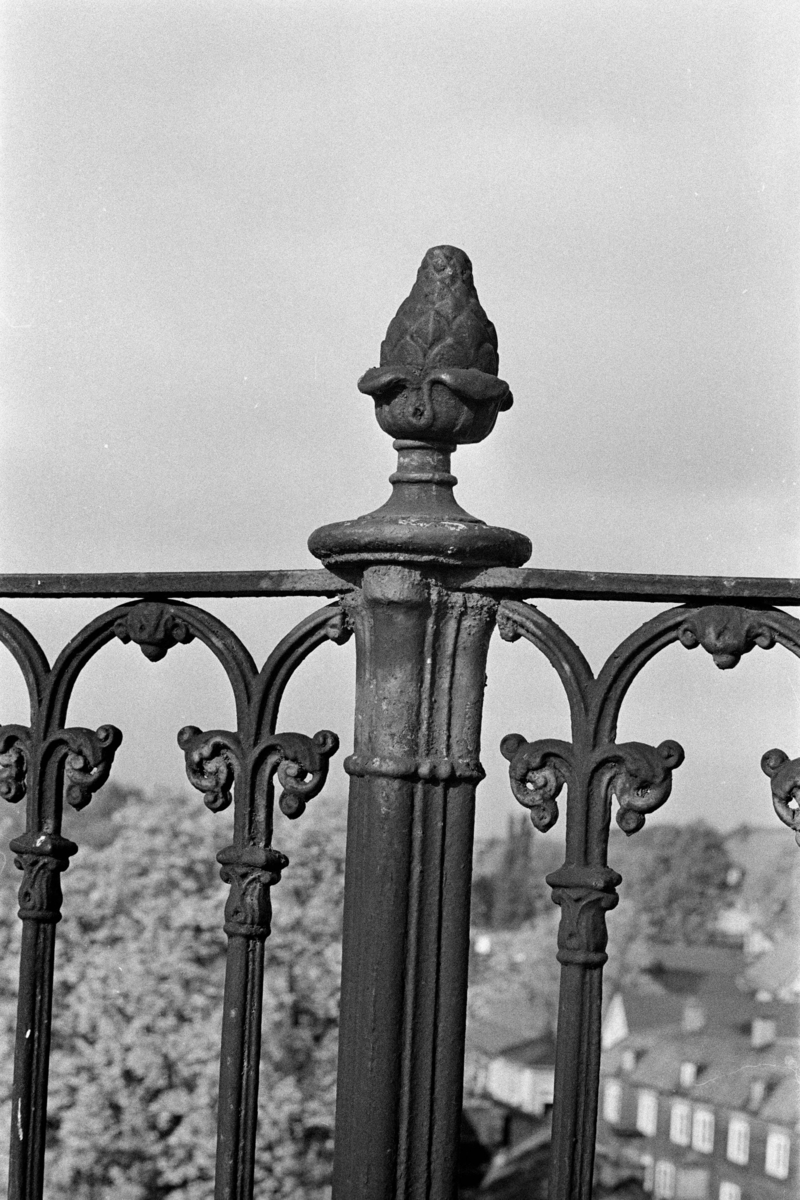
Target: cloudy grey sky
211, 212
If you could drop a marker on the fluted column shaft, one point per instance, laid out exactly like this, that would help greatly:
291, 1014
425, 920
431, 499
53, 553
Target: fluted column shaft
421, 656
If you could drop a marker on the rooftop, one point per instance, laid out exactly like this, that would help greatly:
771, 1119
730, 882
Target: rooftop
727, 1067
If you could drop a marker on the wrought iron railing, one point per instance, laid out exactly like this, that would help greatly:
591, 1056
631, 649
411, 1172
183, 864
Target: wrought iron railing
421, 585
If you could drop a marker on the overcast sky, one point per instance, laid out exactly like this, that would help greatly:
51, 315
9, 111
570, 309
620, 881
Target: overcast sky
211, 213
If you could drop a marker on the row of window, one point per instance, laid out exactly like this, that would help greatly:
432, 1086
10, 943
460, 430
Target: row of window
694, 1127
667, 1181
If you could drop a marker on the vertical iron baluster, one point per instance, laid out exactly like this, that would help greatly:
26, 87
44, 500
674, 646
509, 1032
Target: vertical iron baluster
41, 856
584, 894
248, 758
594, 768
41, 853
214, 760
250, 866
250, 871
585, 889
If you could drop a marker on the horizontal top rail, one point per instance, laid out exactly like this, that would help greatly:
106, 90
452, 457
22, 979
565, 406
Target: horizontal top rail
534, 582
531, 582
180, 584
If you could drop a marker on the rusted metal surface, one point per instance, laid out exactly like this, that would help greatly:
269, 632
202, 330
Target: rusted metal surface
435, 389
42, 762
421, 584
46, 762
178, 584
421, 653
785, 775
533, 583
595, 769
437, 378
241, 765
526, 582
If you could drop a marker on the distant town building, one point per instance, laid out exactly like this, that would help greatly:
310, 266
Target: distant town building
701, 1082
511, 1061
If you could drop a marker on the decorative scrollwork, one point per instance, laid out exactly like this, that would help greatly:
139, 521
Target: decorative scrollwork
584, 894
641, 778
251, 872
211, 762
89, 757
538, 772
41, 857
303, 767
507, 626
726, 633
785, 776
40, 895
14, 753
89, 761
154, 627
301, 764
339, 628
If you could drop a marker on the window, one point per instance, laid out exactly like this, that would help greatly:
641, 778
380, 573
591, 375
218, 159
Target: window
649, 1171
694, 1017
758, 1092
688, 1074
647, 1113
680, 1123
762, 1032
628, 1060
730, 1191
703, 1130
739, 1140
664, 1181
612, 1101
776, 1163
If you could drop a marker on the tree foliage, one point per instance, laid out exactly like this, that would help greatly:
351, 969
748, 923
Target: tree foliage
677, 877
139, 977
514, 891
520, 969
675, 881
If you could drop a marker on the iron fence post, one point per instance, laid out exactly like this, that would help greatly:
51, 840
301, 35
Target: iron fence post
421, 660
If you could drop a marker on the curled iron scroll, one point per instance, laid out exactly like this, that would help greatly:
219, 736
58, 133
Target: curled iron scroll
641, 779
785, 776
538, 772
726, 632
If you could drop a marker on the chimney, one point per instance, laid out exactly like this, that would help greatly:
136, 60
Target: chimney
694, 1016
762, 1032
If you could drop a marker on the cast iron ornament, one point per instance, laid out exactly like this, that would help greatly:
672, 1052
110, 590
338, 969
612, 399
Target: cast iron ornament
784, 773
154, 627
726, 633
436, 388
14, 752
437, 377
637, 775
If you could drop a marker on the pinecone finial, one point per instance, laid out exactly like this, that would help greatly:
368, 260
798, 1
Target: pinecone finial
437, 379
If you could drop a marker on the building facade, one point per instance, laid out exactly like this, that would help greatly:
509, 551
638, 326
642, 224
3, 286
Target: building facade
710, 1109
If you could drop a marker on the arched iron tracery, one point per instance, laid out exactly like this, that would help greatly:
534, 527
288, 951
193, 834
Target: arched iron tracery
594, 768
48, 762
